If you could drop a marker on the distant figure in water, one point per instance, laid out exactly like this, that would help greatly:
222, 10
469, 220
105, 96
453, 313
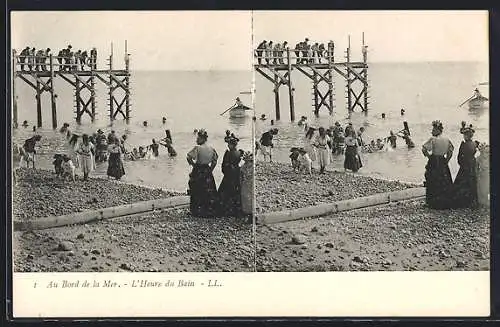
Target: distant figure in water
383, 115
402, 112
34, 128
392, 139
254, 118
164, 120
25, 124
195, 131
238, 102
408, 140
263, 117
438, 183
302, 121
154, 147
145, 123
142, 153
64, 128
167, 142
272, 122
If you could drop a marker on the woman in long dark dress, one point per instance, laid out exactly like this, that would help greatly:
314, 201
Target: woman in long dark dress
202, 189
352, 160
230, 187
465, 185
438, 183
115, 164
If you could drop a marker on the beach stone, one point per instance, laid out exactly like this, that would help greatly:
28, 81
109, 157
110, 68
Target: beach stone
80, 236
357, 259
30, 257
298, 239
95, 251
125, 266
314, 229
65, 246
329, 245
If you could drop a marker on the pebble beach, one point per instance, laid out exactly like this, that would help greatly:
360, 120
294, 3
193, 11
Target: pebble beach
166, 240
278, 187
400, 236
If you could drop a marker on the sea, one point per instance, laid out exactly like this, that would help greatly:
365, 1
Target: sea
189, 100
195, 99
426, 90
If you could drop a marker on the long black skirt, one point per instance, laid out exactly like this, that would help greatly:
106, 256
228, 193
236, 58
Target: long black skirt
230, 193
438, 183
352, 160
203, 192
465, 187
115, 166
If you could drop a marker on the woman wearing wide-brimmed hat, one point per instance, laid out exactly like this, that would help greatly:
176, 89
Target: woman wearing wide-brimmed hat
438, 183
202, 188
465, 185
230, 187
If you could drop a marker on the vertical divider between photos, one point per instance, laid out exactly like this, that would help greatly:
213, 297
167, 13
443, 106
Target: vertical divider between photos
254, 222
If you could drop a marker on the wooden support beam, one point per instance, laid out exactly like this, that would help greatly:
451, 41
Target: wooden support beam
102, 79
38, 104
79, 100
316, 91
344, 75
117, 80
265, 75
277, 97
319, 74
92, 97
67, 79
14, 93
52, 94
30, 83
82, 81
290, 87
302, 70
355, 73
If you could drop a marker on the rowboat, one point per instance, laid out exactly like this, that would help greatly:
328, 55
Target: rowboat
238, 111
478, 103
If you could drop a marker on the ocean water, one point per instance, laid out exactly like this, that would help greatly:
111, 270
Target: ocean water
427, 91
194, 100
189, 100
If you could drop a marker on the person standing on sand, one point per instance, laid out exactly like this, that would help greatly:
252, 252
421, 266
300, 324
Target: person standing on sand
202, 188
308, 144
321, 144
438, 183
115, 164
266, 143
465, 185
86, 151
230, 187
352, 160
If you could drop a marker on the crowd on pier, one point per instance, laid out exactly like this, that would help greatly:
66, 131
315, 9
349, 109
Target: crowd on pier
305, 52
67, 59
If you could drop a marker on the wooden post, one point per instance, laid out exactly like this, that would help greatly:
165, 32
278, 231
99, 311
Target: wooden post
111, 97
365, 75
315, 91
52, 95
14, 94
348, 56
277, 97
38, 104
331, 61
290, 87
79, 112
92, 96
127, 84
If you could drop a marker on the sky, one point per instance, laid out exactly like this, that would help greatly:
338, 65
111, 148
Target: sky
221, 40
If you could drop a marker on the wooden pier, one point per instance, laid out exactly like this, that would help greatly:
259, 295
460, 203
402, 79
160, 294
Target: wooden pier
277, 68
42, 76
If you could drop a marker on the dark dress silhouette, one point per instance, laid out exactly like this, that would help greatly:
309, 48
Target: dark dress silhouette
230, 187
465, 185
